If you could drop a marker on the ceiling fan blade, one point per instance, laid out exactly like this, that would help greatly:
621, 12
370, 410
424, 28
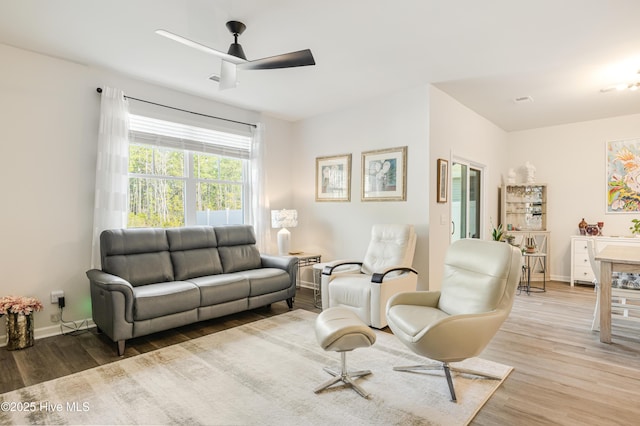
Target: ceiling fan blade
300, 58
228, 76
200, 47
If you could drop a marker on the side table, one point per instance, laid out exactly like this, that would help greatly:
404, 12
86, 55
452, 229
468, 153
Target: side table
539, 259
305, 260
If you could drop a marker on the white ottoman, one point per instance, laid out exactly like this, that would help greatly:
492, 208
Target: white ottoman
341, 330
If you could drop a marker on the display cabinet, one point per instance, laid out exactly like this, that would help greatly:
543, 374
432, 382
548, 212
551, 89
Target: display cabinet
524, 207
523, 215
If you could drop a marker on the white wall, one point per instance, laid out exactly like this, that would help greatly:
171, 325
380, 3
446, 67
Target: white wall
457, 131
571, 160
339, 230
279, 156
50, 109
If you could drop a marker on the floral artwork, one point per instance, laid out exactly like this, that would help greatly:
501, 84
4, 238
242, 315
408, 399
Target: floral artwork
623, 176
19, 305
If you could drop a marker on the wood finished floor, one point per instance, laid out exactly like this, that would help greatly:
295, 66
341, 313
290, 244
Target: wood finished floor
563, 374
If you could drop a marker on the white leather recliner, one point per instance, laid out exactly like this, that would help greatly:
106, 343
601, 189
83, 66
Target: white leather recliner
457, 322
384, 271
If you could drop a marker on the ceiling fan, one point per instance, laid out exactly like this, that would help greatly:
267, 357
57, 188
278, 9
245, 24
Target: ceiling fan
235, 57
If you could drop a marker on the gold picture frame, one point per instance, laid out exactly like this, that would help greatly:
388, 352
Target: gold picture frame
384, 175
443, 180
333, 178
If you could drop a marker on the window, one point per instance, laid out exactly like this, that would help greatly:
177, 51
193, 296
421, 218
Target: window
184, 175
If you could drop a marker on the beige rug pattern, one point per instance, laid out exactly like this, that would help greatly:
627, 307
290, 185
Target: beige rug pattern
262, 373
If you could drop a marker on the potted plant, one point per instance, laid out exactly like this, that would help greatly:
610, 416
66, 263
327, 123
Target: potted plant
635, 228
497, 233
19, 311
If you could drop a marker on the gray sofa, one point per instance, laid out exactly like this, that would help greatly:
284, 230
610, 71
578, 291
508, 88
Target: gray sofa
154, 279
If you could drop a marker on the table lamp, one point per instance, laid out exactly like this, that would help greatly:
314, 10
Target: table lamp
284, 219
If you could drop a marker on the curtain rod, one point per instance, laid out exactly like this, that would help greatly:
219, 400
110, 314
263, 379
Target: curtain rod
99, 90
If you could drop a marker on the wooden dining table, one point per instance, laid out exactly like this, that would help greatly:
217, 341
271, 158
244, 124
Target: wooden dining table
619, 259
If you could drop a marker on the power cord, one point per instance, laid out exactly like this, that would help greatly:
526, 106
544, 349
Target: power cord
75, 328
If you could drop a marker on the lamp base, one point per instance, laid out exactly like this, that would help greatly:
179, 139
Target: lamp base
284, 241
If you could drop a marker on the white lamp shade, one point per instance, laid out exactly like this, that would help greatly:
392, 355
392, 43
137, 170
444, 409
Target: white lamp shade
284, 218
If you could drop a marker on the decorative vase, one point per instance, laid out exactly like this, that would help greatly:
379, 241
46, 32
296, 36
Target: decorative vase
19, 331
583, 227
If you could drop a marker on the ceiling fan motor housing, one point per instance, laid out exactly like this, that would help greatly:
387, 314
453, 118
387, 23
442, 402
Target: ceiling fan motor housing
236, 50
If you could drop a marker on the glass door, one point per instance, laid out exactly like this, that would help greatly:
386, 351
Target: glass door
466, 200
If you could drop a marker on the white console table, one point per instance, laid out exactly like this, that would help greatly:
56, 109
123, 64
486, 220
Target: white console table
580, 267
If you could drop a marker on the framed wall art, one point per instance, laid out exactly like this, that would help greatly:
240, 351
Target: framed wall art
443, 180
623, 176
333, 178
384, 175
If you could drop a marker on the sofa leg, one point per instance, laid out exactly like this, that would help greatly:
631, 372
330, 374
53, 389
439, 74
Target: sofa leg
290, 302
120, 347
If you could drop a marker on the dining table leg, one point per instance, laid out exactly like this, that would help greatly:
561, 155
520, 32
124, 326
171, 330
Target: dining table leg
606, 271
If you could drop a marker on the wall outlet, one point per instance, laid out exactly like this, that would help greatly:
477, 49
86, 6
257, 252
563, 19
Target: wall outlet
55, 295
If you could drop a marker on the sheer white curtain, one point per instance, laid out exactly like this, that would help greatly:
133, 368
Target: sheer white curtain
259, 209
112, 168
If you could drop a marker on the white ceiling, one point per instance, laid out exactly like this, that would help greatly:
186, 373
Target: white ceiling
483, 53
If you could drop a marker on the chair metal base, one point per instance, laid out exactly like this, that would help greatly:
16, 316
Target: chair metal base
447, 371
345, 377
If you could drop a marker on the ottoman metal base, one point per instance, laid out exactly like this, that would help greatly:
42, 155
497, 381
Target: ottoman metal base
344, 376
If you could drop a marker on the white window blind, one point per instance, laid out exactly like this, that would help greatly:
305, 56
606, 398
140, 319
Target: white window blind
168, 134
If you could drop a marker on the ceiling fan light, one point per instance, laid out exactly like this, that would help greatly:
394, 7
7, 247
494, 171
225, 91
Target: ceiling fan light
621, 86
633, 87
236, 50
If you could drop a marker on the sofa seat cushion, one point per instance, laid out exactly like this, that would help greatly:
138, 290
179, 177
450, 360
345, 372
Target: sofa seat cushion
353, 290
266, 280
216, 289
156, 300
412, 319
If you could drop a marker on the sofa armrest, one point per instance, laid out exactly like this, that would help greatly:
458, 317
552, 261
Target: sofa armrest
287, 263
113, 283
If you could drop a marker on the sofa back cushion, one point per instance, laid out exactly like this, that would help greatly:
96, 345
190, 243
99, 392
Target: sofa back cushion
140, 256
237, 248
194, 252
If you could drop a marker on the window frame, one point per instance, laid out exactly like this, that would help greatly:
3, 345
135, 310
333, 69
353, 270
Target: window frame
190, 148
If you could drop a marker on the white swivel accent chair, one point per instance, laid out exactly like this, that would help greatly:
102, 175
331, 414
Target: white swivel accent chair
384, 271
458, 321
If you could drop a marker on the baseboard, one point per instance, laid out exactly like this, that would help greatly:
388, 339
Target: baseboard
52, 330
561, 278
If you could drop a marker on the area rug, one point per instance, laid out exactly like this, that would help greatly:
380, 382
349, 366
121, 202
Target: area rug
262, 373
